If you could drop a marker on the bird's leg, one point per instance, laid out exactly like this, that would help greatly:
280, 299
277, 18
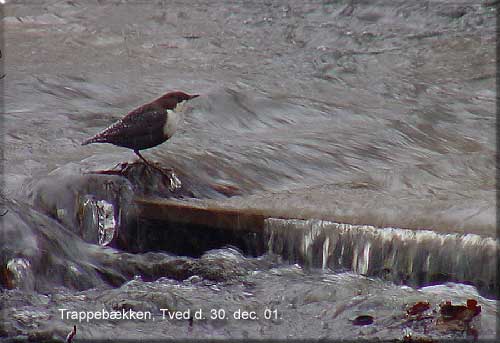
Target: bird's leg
142, 158
175, 183
149, 164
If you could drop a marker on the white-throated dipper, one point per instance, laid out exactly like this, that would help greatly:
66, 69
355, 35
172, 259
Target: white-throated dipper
148, 125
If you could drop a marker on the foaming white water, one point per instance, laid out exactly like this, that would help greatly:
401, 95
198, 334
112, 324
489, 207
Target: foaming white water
417, 257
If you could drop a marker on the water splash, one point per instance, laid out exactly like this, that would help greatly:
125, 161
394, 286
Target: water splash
415, 257
98, 219
175, 182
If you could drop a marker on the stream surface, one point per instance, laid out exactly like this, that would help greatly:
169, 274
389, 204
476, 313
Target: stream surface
378, 113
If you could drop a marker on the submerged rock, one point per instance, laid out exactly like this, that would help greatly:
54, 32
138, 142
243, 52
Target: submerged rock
100, 206
38, 253
96, 207
150, 180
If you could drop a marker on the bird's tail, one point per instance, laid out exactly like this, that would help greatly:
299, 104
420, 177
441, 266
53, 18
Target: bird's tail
95, 139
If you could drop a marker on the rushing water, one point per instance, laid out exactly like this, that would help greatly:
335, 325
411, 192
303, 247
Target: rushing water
377, 113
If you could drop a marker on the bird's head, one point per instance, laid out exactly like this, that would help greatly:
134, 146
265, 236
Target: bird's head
171, 100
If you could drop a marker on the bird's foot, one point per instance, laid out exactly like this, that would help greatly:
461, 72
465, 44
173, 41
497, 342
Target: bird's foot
120, 166
174, 183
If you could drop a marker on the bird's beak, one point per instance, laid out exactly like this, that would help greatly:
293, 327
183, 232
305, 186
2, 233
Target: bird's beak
194, 96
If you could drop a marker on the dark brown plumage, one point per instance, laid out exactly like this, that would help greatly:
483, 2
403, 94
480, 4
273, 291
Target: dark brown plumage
146, 126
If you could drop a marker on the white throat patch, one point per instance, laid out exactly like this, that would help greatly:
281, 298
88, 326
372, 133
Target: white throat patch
174, 119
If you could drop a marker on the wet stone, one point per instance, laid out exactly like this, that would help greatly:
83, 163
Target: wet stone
96, 207
150, 181
99, 205
20, 274
362, 320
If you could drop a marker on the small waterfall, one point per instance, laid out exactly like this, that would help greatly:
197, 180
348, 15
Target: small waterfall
413, 257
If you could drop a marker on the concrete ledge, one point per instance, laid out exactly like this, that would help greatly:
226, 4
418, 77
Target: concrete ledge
176, 211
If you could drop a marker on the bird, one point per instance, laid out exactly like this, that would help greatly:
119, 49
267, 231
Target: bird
148, 125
